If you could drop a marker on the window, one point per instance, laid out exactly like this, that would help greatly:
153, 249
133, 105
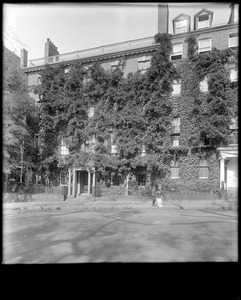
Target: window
114, 65
144, 63
181, 26
204, 45
90, 144
91, 112
234, 124
38, 80
203, 21
203, 168
176, 87
176, 125
204, 85
205, 141
233, 75
176, 51
174, 169
233, 40
63, 148
175, 140
64, 177
143, 150
113, 145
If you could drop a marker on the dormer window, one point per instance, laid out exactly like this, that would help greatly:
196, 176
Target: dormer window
203, 19
181, 24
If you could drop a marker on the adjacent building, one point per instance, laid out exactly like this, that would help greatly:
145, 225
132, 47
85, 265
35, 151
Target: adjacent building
138, 55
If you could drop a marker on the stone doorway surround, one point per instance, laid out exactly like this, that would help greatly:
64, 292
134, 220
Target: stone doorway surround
228, 168
77, 181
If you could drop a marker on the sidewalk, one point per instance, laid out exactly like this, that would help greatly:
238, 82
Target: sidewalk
94, 203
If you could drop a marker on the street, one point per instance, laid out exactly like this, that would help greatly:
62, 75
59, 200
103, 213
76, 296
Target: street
119, 235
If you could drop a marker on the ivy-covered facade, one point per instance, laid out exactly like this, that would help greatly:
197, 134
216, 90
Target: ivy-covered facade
196, 147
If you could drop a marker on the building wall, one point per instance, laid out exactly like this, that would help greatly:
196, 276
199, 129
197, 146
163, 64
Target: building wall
11, 60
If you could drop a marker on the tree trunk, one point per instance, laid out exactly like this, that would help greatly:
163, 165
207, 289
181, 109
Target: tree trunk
127, 184
21, 174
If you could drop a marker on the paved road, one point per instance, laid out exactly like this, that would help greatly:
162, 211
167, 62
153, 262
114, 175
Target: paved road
71, 235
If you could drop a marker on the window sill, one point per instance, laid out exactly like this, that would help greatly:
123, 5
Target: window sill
175, 177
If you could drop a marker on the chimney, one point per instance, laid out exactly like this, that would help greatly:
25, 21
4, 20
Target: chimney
50, 49
234, 14
24, 58
163, 18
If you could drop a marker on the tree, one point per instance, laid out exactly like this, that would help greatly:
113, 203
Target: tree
20, 123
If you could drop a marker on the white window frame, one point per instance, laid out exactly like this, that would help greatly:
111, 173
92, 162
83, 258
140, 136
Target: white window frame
176, 87
175, 125
235, 72
114, 65
231, 39
177, 140
180, 52
203, 166
64, 150
206, 48
203, 85
203, 24
91, 112
175, 165
142, 61
181, 28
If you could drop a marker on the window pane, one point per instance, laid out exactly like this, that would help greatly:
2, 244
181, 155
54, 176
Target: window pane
180, 24
205, 45
203, 172
177, 48
176, 89
233, 75
233, 41
175, 141
204, 85
203, 18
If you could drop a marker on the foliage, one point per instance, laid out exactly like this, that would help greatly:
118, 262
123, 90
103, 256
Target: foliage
20, 123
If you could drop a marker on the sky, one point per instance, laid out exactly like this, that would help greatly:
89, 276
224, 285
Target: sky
77, 26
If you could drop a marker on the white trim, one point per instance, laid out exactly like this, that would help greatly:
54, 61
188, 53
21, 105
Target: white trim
235, 38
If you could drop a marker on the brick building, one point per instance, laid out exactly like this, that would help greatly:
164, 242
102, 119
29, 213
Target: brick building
138, 55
